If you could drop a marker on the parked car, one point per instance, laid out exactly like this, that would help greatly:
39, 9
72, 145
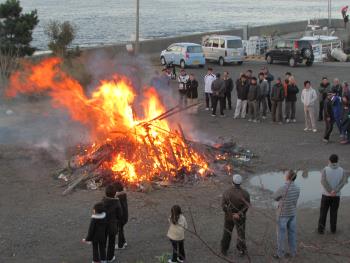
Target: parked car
223, 49
291, 51
183, 55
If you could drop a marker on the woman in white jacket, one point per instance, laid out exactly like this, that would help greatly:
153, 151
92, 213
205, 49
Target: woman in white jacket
309, 99
176, 234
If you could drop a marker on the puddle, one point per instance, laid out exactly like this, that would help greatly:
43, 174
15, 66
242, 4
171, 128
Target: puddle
309, 183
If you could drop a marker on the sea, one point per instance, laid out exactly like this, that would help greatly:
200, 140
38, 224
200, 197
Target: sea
106, 22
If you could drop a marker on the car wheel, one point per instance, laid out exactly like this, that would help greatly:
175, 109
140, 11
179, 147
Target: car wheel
309, 63
269, 59
292, 62
306, 53
182, 64
163, 61
221, 61
240, 62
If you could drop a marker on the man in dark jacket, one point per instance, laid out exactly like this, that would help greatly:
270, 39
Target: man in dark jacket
323, 90
328, 117
263, 91
121, 195
235, 204
269, 77
113, 217
253, 95
277, 97
291, 99
228, 90
192, 94
218, 91
97, 233
242, 88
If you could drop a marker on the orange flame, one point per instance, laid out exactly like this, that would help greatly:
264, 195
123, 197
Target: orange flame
109, 115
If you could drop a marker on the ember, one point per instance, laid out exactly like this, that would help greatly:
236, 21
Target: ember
127, 145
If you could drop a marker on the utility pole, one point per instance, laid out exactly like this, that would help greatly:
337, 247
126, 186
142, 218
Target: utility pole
329, 13
137, 35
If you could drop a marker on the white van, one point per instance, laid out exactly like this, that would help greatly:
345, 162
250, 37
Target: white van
223, 49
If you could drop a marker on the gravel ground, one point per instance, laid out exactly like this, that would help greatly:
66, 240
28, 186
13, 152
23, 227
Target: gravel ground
38, 224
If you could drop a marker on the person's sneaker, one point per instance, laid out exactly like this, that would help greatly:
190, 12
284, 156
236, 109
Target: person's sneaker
325, 140
235, 118
343, 141
306, 129
320, 232
255, 121
180, 260
287, 121
206, 108
250, 120
275, 256
241, 253
171, 261
264, 117
222, 115
121, 248
214, 115
314, 130
280, 123
112, 260
294, 120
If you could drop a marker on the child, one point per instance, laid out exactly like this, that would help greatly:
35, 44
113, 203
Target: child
176, 234
121, 194
97, 233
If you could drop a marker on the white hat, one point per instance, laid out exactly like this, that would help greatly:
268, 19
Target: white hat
237, 179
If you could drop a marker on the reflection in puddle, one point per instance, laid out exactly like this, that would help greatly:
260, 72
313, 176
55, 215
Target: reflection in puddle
309, 183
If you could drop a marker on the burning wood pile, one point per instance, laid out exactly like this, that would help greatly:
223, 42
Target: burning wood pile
132, 139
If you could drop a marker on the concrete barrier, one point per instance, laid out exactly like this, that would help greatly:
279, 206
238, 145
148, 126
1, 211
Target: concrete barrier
157, 45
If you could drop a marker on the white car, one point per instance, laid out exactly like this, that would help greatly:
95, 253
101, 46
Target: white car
223, 49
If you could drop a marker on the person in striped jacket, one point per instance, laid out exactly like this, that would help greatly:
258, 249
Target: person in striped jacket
287, 197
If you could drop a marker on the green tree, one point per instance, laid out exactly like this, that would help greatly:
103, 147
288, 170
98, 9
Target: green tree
16, 29
61, 35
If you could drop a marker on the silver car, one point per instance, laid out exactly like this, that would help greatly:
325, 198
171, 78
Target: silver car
223, 49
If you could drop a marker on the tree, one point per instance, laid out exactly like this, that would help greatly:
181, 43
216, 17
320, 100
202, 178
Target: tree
16, 29
61, 35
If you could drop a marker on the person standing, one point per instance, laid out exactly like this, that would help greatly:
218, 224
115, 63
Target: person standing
228, 90
309, 98
291, 99
345, 125
97, 233
344, 11
123, 199
218, 95
337, 88
323, 90
333, 180
192, 94
242, 89
287, 197
113, 217
287, 76
345, 89
208, 80
277, 97
337, 110
269, 77
263, 93
182, 81
176, 234
253, 95
235, 204
328, 116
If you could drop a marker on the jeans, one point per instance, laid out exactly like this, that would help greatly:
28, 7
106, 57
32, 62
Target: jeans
262, 104
269, 102
178, 250
208, 99
290, 110
328, 129
182, 99
310, 121
276, 111
228, 99
345, 129
328, 203
252, 108
121, 236
215, 101
241, 108
286, 225
226, 237
98, 251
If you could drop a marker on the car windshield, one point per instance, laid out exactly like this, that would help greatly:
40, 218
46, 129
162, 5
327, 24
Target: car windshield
234, 43
194, 49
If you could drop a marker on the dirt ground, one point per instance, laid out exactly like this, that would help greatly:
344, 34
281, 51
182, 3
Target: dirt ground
38, 224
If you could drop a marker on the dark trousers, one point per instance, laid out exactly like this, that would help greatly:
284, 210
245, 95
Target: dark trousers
178, 250
98, 251
328, 129
269, 102
329, 203
110, 245
290, 110
121, 236
345, 128
226, 238
208, 99
228, 100
276, 111
215, 101
320, 113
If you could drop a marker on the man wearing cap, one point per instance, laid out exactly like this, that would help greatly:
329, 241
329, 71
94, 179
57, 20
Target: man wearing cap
277, 97
208, 80
287, 197
235, 203
323, 90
